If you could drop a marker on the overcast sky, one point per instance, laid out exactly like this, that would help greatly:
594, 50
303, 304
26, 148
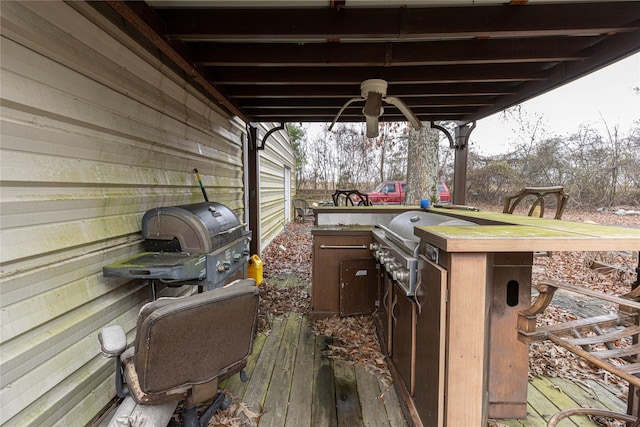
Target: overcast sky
605, 94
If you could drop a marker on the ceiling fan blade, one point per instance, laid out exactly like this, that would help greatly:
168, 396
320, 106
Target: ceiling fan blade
349, 102
405, 110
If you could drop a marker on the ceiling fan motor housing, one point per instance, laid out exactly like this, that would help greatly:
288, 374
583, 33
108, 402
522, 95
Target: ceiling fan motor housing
373, 85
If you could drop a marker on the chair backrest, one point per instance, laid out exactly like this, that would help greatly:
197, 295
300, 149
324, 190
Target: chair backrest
182, 342
538, 195
350, 197
300, 204
302, 209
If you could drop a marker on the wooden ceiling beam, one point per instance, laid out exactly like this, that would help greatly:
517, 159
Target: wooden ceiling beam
400, 23
349, 91
451, 52
394, 75
337, 103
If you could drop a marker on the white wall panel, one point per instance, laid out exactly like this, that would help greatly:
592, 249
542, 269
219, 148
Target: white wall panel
277, 155
95, 131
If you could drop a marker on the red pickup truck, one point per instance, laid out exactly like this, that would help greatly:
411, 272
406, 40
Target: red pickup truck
392, 192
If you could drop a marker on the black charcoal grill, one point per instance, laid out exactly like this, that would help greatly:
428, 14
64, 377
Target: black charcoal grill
201, 244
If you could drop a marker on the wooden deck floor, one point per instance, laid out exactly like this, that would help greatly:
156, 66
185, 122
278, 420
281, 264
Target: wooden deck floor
295, 385
292, 383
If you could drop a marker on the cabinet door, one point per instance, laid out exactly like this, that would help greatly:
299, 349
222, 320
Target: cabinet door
430, 342
402, 314
384, 310
328, 252
358, 286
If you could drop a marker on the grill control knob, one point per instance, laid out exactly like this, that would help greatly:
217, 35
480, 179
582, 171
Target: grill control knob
393, 266
379, 255
374, 246
386, 258
236, 257
225, 266
401, 275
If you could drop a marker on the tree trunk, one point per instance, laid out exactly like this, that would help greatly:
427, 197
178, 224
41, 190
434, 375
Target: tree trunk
422, 165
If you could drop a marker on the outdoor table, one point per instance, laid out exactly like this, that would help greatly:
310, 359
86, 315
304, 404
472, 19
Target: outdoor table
485, 366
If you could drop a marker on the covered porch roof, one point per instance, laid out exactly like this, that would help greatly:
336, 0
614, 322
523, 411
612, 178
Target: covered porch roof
456, 60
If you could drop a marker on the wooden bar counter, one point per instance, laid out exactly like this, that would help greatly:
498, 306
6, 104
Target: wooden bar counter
488, 278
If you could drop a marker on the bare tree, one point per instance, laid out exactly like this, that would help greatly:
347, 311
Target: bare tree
422, 165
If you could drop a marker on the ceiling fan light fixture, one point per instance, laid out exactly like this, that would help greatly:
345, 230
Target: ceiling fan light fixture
373, 105
374, 92
372, 127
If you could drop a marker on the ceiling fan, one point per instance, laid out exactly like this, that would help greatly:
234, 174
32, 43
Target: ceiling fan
373, 92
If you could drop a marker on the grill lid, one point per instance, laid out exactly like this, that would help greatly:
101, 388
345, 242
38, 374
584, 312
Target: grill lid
402, 225
197, 228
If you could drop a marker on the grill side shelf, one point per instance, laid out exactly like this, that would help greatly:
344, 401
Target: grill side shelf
159, 265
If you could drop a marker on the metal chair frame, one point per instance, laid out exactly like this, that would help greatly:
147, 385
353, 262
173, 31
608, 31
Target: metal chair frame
511, 202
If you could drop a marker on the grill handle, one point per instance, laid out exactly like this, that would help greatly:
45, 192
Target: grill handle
232, 229
343, 247
404, 241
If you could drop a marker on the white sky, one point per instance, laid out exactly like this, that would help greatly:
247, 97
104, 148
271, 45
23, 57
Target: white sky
605, 94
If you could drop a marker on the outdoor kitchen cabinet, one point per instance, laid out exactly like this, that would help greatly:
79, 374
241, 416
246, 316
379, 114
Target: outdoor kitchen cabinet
385, 291
344, 278
500, 284
403, 312
428, 389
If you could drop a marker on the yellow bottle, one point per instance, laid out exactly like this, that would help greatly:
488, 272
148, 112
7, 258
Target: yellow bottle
254, 268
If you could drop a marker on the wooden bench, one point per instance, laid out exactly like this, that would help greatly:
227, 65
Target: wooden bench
609, 341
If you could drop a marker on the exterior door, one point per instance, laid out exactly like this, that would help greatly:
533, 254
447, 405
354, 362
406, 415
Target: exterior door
287, 194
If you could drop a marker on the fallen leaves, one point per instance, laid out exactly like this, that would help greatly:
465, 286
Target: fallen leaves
236, 415
354, 341
289, 252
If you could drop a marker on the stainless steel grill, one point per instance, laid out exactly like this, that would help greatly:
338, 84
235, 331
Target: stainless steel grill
396, 246
202, 244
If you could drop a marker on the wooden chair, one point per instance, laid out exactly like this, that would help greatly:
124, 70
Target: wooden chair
609, 341
538, 205
302, 209
350, 198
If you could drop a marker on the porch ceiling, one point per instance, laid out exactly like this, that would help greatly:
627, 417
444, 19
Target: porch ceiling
297, 61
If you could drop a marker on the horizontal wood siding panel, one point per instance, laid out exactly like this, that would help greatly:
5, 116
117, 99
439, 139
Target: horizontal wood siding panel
95, 131
277, 155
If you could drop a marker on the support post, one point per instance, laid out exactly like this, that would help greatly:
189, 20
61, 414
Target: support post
460, 143
253, 168
460, 165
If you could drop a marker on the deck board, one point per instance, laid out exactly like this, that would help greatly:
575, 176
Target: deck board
259, 382
278, 392
347, 397
323, 411
299, 413
369, 392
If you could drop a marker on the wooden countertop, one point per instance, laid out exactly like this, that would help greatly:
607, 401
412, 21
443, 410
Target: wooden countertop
365, 209
515, 233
